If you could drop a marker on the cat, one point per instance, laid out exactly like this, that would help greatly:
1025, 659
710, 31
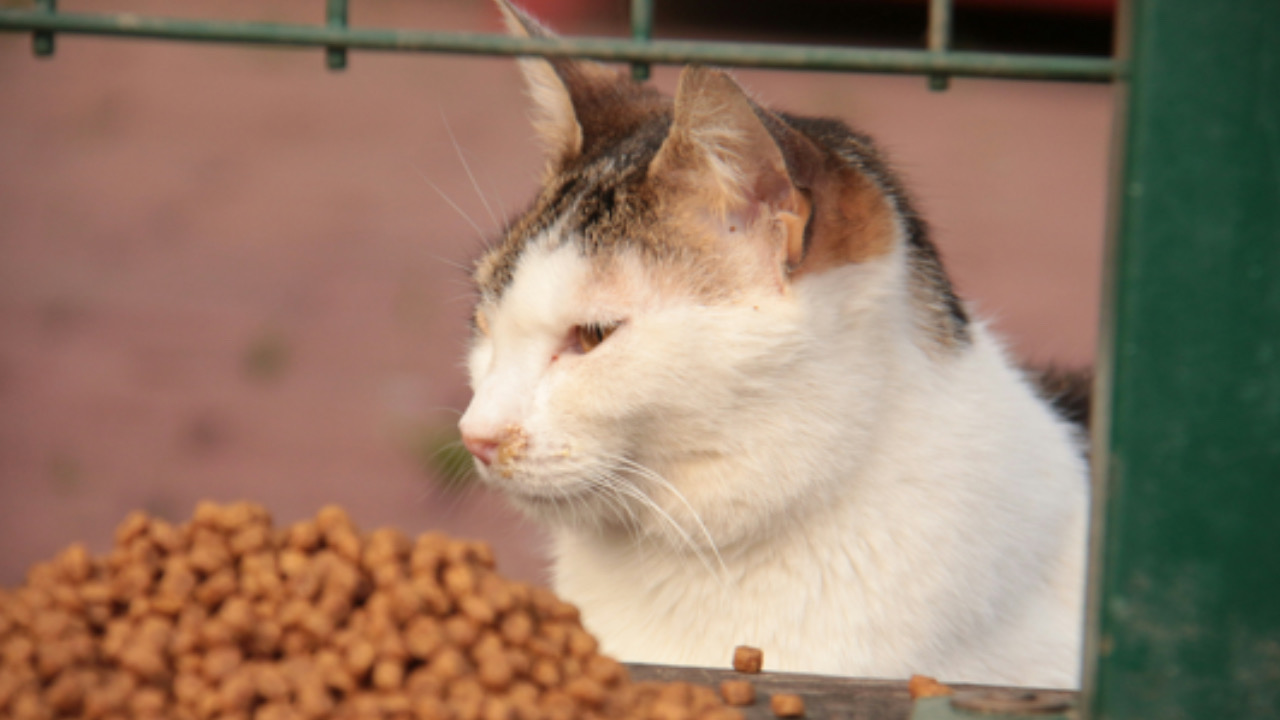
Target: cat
720, 359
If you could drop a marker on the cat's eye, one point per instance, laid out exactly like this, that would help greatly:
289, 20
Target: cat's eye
591, 335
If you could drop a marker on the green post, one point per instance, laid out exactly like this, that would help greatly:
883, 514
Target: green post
939, 39
1185, 586
42, 40
336, 17
641, 31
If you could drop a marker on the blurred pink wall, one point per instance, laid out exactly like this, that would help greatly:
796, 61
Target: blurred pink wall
225, 272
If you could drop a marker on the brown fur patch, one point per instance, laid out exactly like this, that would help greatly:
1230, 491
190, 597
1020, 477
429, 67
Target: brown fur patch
852, 223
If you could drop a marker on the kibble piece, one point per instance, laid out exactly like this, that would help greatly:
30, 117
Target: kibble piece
668, 710
586, 691
304, 535
394, 704
495, 708
494, 672
388, 674
220, 661
605, 670
557, 705
423, 636
545, 672
747, 659
448, 664
313, 701
721, 713
786, 705
74, 563
517, 628
426, 707
461, 631
476, 608
66, 694
738, 692
345, 542
147, 701
422, 682
465, 697
270, 682
923, 686
460, 581
360, 657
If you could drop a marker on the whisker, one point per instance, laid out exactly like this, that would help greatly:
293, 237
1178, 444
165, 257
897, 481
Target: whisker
443, 409
638, 494
626, 514
452, 263
467, 167
652, 475
479, 233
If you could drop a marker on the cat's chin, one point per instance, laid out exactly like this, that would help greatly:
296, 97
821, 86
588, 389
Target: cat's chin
539, 497
568, 504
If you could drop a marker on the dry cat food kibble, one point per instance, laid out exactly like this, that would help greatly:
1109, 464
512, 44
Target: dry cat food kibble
747, 659
227, 617
786, 706
923, 686
738, 692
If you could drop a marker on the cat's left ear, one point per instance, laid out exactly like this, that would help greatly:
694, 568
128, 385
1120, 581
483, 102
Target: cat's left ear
722, 149
578, 104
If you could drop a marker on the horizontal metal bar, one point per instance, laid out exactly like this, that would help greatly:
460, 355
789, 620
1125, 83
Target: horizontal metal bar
790, 57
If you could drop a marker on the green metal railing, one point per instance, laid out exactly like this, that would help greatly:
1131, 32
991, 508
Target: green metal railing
641, 50
1184, 617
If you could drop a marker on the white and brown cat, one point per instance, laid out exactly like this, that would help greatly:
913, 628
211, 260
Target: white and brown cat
719, 357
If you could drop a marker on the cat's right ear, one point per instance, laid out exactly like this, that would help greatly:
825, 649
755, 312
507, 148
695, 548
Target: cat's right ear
575, 101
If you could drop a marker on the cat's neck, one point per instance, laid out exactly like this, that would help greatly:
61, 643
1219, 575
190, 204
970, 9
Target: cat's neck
954, 489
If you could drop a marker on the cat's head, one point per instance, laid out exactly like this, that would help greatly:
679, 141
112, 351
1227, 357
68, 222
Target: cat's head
697, 298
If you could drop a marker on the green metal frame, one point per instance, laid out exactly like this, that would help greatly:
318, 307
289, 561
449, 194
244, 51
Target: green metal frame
337, 36
1184, 618
1185, 615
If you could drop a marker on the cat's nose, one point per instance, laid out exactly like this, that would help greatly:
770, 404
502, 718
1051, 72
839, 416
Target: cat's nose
485, 449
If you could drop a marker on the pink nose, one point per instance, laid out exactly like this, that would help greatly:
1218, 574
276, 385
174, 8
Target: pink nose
485, 449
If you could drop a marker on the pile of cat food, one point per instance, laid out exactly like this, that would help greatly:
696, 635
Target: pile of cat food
227, 617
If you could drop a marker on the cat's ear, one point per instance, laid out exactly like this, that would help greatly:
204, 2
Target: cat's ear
576, 103
720, 149
747, 164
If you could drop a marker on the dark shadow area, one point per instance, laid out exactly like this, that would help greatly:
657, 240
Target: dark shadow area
888, 24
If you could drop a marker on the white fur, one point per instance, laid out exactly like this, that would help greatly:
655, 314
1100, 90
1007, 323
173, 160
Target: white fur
831, 490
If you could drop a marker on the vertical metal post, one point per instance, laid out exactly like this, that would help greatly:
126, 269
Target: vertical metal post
42, 40
642, 31
336, 16
939, 38
1184, 617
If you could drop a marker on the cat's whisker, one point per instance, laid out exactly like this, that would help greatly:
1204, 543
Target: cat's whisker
654, 476
443, 409
638, 494
626, 514
467, 167
469, 299
444, 196
670, 532
453, 264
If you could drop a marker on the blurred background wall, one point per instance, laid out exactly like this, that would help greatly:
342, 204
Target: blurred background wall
228, 273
